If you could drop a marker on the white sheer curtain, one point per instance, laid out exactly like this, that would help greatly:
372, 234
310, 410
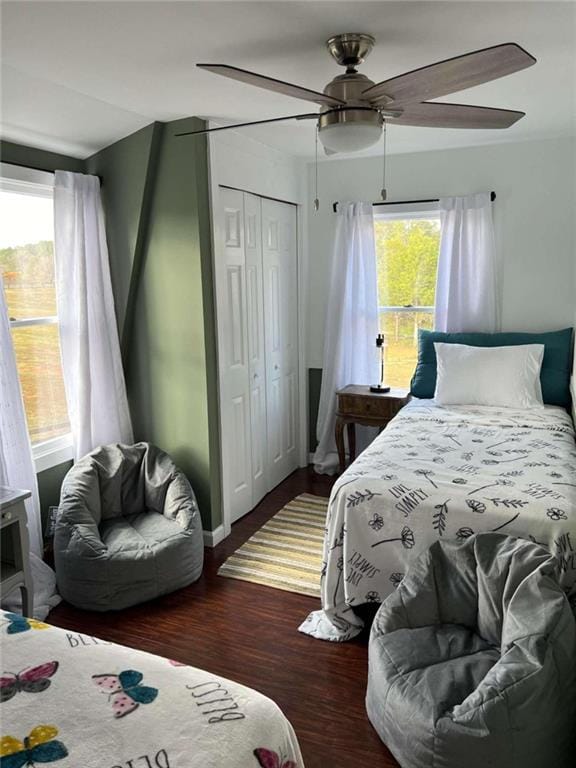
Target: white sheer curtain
92, 366
466, 297
351, 322
17, 468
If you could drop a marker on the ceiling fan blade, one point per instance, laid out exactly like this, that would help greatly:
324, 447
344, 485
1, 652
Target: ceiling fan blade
308, 116
451, 75
271, 84
438, 115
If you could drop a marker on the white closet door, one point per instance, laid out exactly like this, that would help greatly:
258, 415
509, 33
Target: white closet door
256, 351
281, 337
234, 358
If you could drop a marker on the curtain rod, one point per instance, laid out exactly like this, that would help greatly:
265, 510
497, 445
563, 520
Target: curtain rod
410, 202
43, 170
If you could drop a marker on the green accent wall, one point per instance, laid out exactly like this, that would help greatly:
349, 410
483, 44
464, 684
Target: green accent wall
155, 191
31, 157
122, 167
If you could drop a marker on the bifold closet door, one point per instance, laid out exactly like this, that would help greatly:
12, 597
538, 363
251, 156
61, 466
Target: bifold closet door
280, 284
256, 350
233, 354
256, 295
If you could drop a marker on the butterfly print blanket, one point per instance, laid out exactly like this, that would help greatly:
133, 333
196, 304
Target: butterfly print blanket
76, 701
444, 472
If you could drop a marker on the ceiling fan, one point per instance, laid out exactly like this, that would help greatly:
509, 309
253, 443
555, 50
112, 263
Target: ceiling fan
354, 108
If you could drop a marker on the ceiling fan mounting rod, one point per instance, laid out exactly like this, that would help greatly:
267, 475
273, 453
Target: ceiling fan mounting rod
350, 49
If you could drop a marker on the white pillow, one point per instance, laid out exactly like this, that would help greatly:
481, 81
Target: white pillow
499, 376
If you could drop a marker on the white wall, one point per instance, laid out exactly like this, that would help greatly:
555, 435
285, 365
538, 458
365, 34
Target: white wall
535, 214
240, 162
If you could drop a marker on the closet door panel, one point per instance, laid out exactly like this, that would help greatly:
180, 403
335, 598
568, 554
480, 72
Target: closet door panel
280, 313
272, 328
235, 357
275, 452
256, 350
240, 469
290, 414
234, 364
288, 252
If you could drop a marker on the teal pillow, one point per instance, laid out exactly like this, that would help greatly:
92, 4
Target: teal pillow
556, 365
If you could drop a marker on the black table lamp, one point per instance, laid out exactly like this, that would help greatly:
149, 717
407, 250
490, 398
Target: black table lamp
380, 346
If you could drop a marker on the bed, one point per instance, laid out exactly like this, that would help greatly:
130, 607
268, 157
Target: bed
444, 472
79, 702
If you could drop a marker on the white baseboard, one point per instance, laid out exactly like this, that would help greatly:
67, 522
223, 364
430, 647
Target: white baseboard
213, 538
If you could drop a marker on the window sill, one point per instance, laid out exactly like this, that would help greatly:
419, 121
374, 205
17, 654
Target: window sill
52, 452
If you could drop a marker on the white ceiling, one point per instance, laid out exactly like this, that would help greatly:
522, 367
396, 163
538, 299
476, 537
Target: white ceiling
77, 76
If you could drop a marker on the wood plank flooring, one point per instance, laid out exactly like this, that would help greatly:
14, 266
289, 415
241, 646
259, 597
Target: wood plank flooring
248, 633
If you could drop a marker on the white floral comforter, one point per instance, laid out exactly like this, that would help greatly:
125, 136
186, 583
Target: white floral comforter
78, 702
444, 472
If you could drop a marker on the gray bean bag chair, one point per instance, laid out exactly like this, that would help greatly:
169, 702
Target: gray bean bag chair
128, 529
472, 661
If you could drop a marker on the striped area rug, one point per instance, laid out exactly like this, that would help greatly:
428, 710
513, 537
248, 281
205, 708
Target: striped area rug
286, 553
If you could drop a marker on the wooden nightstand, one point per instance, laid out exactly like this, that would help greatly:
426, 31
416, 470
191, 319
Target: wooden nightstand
15, 554
357, 405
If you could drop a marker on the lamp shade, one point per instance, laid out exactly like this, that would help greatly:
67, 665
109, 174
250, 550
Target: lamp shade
349, 137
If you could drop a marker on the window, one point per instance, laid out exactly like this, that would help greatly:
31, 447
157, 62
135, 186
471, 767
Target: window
407, 244
27, 267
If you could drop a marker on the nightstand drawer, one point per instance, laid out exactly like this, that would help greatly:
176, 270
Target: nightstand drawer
370, 407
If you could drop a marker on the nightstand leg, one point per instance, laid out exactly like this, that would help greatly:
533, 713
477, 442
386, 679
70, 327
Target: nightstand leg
352, 440
26, 604
339, 436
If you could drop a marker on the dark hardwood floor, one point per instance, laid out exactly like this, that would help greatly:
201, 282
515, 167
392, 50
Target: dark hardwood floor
248, 633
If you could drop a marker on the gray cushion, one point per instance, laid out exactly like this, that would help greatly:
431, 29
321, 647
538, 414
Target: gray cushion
472, 661
128, 528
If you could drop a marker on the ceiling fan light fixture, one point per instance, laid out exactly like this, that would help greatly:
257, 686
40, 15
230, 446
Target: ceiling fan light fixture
346, 137
349, 130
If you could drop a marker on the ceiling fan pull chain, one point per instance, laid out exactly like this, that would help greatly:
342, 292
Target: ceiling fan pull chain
383, 193
316, 200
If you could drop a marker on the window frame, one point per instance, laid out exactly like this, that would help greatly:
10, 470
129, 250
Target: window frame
56, 450
404, 211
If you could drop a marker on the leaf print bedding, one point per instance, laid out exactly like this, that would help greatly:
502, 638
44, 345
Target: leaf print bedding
444, 472
78, 702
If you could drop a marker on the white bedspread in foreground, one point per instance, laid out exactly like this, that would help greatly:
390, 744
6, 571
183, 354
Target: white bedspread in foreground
78, 702
444, 472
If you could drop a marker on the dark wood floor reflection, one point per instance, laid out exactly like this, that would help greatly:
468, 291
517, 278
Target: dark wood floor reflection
249, 633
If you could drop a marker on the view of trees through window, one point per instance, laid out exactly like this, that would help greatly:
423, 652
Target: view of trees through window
407, 260
27, 268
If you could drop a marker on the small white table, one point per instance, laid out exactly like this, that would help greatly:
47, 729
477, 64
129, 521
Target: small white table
15, 547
